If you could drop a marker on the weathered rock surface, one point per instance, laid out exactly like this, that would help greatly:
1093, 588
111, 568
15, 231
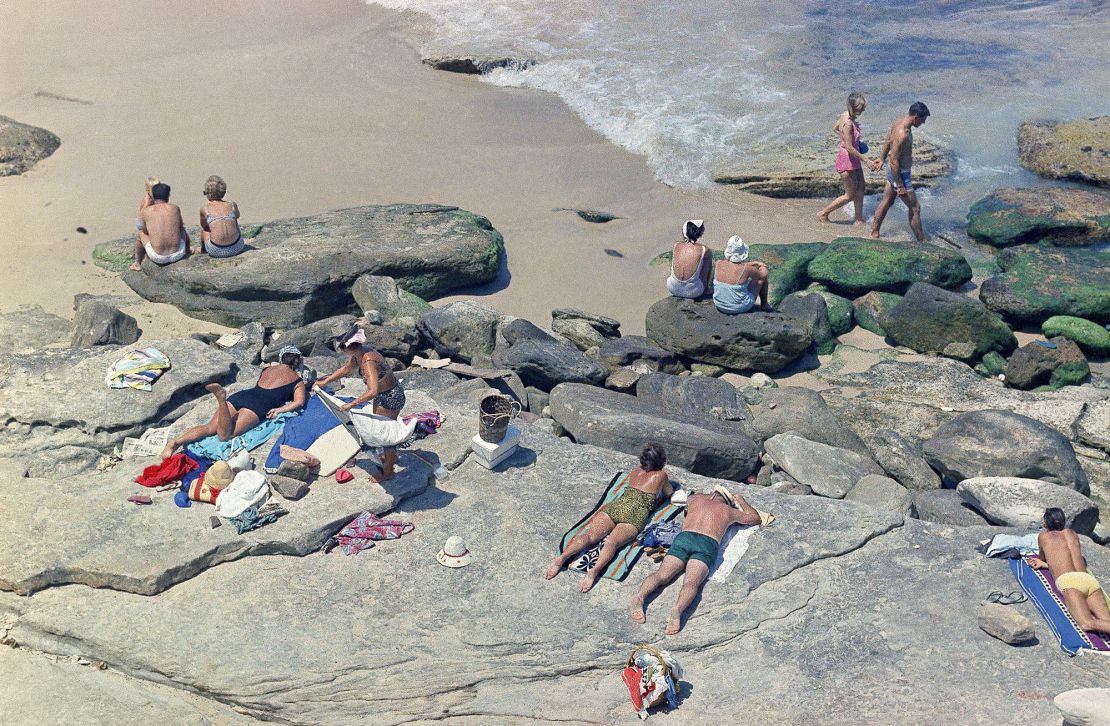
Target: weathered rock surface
765, 342
430, 381
870, 309
1054, 215
829, 471
1000, 443
475, 65
853, 266
946, 506
1078, 150
462, 330
804, 170
903, 460
933, 320
617, 421
1017, 502
428, 249
543, 360
841, 314
1092, 338
99, 322
22, 146
29, 328
803, 411
313, 339
1084, 706
638, 352
1004, 623
1038, 282
696, 397
881, 492
813, 310
1034, 365
381, 294
1093, 425
585, 330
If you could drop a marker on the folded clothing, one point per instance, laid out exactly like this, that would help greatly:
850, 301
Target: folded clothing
247, 489
138, 369
167, 471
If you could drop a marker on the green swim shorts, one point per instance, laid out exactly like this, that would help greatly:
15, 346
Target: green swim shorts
694, 546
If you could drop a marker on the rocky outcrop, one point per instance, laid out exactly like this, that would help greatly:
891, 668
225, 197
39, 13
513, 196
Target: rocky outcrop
806, 170
946, 506
316, 338
765, 342
1017, 502
699, 443
23, 146
99, 322
803, 411
1092, 338
462, 330
380, 296
813, 310
902, 460
853, 266
688, 396
585, 330
1034, 365
870, 309
1000, 443
841, 315
1037, 283
543, 360
636, 351
932, 320
29, 328
475, 65
827, 470
881, 492
1052, 215
1077, 150
301, 270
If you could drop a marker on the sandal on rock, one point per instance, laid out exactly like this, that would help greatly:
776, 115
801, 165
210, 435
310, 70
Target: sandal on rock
1013, 598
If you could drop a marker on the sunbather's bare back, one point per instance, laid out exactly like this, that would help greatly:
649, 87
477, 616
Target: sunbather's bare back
163, 227
649, 482
710, 515
1061, 551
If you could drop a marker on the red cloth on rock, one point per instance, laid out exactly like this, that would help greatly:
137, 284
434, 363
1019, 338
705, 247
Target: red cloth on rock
170, 470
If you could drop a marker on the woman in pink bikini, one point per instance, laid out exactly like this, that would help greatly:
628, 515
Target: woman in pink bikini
850, 159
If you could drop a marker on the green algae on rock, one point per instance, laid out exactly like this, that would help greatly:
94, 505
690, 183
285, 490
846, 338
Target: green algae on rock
930, 319
1038, 282
870, 309
1058, 216
853, 266
1091, 337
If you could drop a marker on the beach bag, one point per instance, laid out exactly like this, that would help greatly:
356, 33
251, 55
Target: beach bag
651, 677
381, 431
200, 491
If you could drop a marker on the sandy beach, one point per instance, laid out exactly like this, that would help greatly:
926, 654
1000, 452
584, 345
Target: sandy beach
304, 110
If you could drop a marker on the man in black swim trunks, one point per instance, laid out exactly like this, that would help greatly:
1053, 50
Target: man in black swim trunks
708, 517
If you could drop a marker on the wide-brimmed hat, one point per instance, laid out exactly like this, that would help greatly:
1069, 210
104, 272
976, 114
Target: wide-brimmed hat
219, 475
454, 553
726, 495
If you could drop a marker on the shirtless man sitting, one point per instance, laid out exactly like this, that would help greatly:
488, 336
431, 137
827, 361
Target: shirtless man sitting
899, 184
162, 236
1060, 554
708, 517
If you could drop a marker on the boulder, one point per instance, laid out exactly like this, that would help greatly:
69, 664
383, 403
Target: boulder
765, 342
881, 492
813, 310
1018, 502
431, 381
585, 330
1084, 706
1078, 150
698, 443
945, 506
787, 263
991, 365
853, 266
871, 308
1039, 282
840, 309
1093, 425
623, 380
1034, 365
429, 249
382, 294
930, 320
543, 360
23, 146
475, 65
827, 470
462, 330
688, 396
1054, 215
636, 351
802, 169
903, 460
29, 328
99, 322
803, 411
1004, 623
786, 484
312, 339
1092, 338
1001, 443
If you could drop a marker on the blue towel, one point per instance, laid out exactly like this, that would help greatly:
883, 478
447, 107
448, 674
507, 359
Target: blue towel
211, 447
300, 433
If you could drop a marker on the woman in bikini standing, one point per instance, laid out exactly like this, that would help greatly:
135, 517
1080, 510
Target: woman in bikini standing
382, 387
219, 222
849, 160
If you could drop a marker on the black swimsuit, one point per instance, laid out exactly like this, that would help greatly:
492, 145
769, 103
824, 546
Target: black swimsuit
260, 400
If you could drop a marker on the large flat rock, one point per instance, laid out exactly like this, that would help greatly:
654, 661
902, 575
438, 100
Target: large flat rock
303, 269
854, 266
22, 146
1056, 215
1078, 149
1038, 282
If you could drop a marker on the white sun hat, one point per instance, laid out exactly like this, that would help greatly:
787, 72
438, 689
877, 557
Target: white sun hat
454, 553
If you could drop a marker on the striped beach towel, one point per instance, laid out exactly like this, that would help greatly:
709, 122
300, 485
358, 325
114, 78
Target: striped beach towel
622, 564
1040, 586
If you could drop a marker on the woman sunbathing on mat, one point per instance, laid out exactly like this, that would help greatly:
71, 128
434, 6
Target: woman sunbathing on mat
619, 521
279, 390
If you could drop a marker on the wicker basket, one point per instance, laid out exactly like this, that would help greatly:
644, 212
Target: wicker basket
494, 413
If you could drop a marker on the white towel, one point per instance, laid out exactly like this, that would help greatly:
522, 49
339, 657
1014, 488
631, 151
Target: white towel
247, 489
733, 547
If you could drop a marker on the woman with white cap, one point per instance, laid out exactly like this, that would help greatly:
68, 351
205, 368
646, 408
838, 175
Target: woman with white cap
690, 261
738, 283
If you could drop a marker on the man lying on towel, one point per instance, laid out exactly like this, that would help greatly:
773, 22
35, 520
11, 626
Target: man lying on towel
1061, 555
708, 517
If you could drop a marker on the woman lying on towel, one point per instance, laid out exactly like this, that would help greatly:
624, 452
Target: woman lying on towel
382, 387
279, 390
620, 521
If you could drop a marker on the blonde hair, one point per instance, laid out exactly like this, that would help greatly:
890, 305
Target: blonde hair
151, 181
215, 188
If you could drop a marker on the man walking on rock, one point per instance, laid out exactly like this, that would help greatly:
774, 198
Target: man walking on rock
708, 517
899, 183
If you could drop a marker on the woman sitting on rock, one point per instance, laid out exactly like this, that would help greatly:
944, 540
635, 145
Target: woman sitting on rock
219, 222
382, 387
737, 283
690, 262
279, 390
621, 520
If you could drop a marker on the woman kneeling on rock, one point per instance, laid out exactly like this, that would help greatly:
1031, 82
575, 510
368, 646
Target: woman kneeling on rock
621, 520
381, 386
737, 283
279, 390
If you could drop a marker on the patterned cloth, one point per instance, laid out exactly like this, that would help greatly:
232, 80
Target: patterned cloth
138, 369
361, 532
1041, 589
